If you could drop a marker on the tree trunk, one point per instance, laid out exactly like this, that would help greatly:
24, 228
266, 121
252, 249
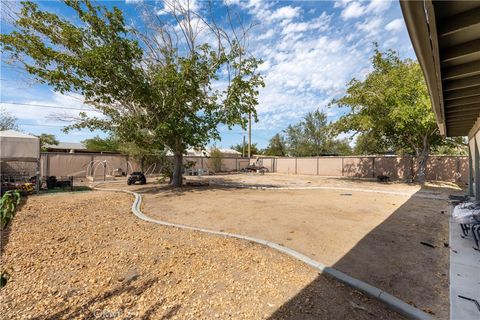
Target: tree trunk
422, 158
177, 177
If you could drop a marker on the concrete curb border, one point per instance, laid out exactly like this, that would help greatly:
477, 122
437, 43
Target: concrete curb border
374, 292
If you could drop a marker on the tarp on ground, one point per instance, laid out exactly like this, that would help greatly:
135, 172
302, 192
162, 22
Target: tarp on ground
18, 146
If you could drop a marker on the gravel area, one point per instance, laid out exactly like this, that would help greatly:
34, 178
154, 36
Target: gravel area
84, 255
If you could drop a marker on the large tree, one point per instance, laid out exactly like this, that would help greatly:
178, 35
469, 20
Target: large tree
47, 139
391, 108
254, 149
276, 146
107, 144
312, 136
165, 83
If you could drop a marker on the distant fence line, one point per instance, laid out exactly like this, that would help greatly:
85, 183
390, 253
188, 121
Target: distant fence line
446, 168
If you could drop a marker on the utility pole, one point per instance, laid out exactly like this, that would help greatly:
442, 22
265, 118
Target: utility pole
243, 150
249, 135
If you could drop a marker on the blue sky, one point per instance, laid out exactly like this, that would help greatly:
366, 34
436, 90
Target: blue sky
311, 49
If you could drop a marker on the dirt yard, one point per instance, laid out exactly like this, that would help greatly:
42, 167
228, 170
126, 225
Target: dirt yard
374, 236
85, 255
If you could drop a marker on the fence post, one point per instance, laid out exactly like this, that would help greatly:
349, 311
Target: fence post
317, 165
47, 165
457, 175
373, 167
296, 165
343, 158
92, 159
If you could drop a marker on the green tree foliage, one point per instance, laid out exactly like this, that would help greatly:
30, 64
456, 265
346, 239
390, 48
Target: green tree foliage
457, 146
153, 84
254, 149
108, 144
392, 108
47, 139
313, 137
7, 121
216, 159
368, 144
276, 146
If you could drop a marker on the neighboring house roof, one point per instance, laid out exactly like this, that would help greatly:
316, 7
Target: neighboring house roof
230, 151
202, 153
67, 146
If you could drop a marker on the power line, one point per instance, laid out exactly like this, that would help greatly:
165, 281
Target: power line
47, 106
41, 125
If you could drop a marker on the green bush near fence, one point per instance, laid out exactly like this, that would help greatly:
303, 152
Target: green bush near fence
8, 206
216, 159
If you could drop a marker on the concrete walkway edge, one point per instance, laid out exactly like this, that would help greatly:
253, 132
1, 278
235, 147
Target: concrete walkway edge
391, 301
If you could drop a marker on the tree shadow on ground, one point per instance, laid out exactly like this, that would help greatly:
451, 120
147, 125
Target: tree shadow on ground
397, 256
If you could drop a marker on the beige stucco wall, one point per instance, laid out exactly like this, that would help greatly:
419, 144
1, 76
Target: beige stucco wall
438, 167
330, 166
307, 166
285, 165
394, 167
361, 167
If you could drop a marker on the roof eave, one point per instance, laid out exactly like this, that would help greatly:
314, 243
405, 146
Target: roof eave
417, 15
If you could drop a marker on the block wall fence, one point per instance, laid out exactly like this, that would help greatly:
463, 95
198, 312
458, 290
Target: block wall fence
445, 168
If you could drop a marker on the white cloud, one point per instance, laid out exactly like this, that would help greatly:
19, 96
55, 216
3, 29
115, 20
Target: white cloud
133, 1
353, 10
378, 6
283, 13
395, 25
371, 26
231, 2
356, 9
320, 23
309, 61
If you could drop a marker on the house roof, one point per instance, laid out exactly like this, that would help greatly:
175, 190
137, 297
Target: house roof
446, 39
206, 152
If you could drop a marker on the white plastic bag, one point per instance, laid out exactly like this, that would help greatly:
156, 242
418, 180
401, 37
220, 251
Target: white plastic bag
467, 212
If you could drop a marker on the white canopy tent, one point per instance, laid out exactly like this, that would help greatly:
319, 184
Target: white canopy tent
20, 147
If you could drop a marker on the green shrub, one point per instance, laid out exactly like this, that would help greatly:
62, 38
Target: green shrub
216, 159
8, 206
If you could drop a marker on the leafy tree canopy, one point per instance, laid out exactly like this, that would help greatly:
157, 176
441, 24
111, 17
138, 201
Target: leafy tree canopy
313, 137
276, 146
108, 144
154, 85
254, 149
47, 139
391, 109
